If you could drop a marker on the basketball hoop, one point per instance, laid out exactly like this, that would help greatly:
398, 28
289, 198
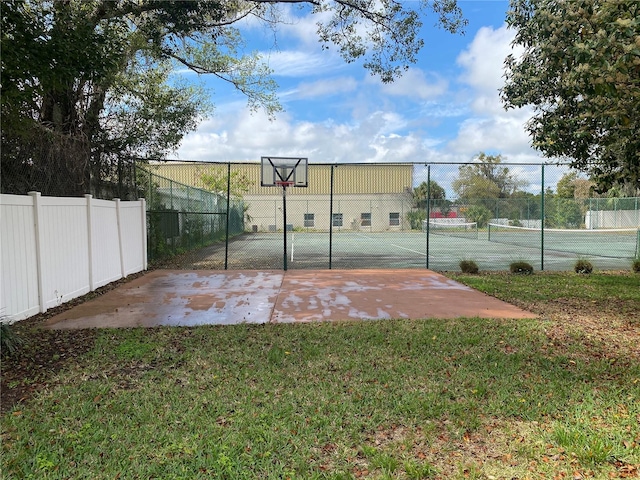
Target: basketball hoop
283, 172
284, 184
275, 171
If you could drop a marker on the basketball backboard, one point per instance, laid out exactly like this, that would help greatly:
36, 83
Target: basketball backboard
276, 170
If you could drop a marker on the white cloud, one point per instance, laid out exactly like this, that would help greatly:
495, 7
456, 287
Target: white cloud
297, 63
490, 128
284, 22
414, 83
289, 44
504, 132
298, 24
325, 88
383, 118
483, 61
442, 109
240, 136
483, 67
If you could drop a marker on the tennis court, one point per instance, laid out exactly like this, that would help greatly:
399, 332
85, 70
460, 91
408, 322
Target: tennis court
604, 243
384, 216
491, 249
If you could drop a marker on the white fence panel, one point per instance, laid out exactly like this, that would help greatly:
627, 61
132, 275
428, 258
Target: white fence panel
19, 268
105, 244
133, 226
64, 249
55, 249
612, 219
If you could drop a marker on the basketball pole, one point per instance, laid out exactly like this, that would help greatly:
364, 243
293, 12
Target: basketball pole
284, 218
542, 222
226, 235
428, 210
331, 219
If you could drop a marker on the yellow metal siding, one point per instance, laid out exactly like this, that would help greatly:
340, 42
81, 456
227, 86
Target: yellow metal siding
374, 178
348, 178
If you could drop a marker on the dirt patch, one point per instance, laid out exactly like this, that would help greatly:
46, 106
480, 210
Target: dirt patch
45, 352
597, 324
34, 368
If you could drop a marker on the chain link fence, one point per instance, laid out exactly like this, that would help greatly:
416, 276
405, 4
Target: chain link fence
420, 216
183, 221
357, 215
61, 166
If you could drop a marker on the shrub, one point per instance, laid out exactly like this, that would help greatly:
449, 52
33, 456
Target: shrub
479, 214
583, 265
468, 266
523, 268
415, 218
635, 266
10, 342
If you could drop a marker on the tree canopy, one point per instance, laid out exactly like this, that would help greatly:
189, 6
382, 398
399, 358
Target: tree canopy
85, 82
573, 185
425, 191
485, 178
217, 181
580, 70
563, 209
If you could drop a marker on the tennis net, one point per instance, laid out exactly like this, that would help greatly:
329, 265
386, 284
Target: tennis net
614, 243
451, 229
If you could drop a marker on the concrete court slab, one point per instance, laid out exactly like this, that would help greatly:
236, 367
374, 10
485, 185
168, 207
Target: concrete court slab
213, 297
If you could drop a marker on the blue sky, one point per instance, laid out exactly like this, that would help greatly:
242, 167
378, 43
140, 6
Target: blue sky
446, 108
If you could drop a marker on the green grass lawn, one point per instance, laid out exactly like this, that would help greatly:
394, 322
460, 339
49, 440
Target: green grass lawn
556, 397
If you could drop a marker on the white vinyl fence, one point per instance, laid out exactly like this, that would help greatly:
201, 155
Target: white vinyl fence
612, 219
54, 249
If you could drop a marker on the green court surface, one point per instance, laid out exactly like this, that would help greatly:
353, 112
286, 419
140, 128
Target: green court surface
408, 249
612, 243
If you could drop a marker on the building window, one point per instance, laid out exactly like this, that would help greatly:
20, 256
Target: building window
337, 219
394, 219
309, 220
365, 219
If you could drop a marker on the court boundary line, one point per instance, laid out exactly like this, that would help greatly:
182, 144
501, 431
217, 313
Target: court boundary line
394, 245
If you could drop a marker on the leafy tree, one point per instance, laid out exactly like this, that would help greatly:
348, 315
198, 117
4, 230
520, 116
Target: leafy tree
573, 185
580, 70
423, 191
479, 214
566, 187
416, 218
562, 212
421, 195
85, 82
485, 180
520, 206
216, 180
583, 188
